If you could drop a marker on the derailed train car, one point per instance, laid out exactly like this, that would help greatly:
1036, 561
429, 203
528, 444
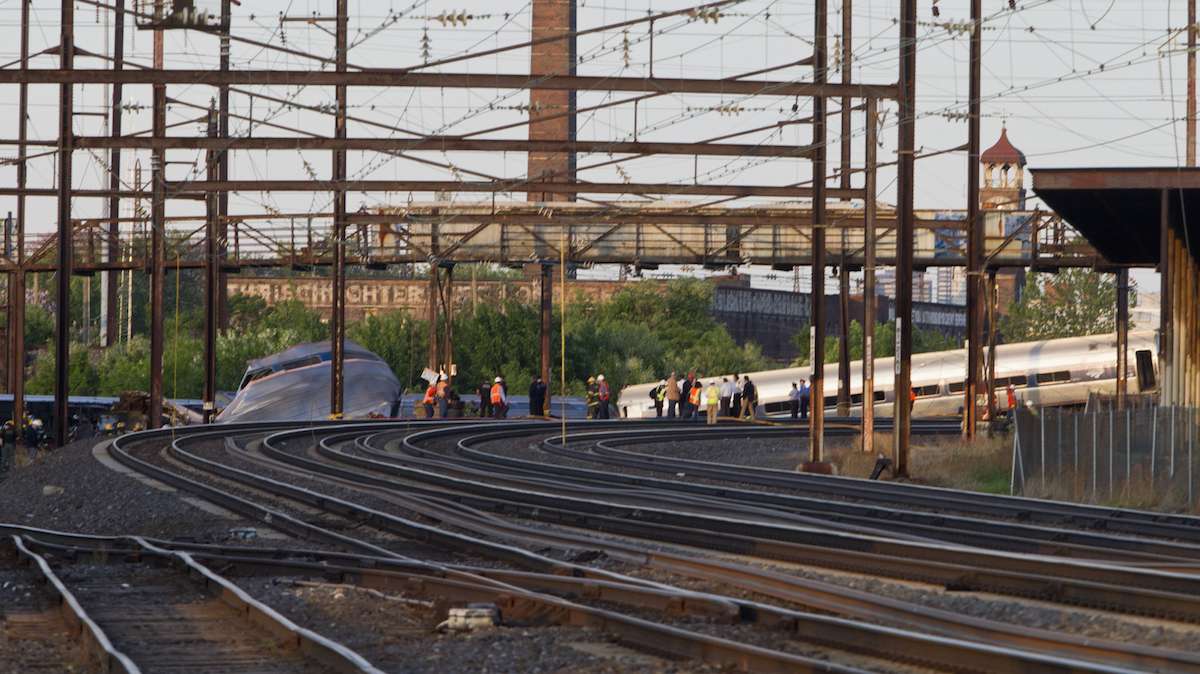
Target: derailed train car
1050, 373
293, 385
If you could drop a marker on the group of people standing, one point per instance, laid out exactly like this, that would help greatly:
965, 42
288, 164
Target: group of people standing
731, 397
799, 398
599, 398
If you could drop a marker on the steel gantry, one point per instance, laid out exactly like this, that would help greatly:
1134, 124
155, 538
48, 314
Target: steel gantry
566, 221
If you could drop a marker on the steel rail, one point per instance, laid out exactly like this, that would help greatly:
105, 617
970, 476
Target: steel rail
1130, 590
97, 647
834, 599
277, 437
631, 629
1166, 525
381, 573
852, 516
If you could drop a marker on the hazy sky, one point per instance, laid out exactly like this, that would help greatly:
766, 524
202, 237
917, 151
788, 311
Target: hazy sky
1079, 83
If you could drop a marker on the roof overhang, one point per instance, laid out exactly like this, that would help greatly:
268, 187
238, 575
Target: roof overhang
1120, 210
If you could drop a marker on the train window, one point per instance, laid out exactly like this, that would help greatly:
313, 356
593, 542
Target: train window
957, 387
880, 396
303, 362
1016, 382
254, 376
830, 401
1145, 370
1051, 377
930, 390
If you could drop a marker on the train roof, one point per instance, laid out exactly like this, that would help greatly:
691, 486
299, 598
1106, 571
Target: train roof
310, 349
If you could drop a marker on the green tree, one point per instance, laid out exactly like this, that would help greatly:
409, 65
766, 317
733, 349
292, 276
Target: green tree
82, 374
1072, 303
397, 338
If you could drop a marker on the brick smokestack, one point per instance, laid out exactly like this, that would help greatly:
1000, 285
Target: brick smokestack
550, 18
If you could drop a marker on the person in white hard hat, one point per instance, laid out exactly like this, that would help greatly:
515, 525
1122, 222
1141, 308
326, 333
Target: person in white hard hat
499, 400
603, 394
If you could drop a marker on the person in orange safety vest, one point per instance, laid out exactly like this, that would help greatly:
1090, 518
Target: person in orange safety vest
499, 400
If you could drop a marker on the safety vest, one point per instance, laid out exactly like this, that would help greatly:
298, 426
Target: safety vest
694, 395
429, 394
497, 394
713, 394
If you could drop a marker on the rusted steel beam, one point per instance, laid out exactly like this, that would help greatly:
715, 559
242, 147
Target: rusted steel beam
1122, 336
402, 78
16, 288
445, 144
62, 310
223, 162
1166, 298
212, 289
783, 191
111, 320
975, 233
902, 413
869, 300
847, 54
546, 287
816, 355
337, 322
158, 212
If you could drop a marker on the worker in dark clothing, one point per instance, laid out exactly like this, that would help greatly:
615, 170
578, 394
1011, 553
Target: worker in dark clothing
658, 394
735, 403
537, 397
685, 398
805, 393
749, 398
485, 400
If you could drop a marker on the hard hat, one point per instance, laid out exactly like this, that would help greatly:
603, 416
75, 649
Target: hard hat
662, 382
36, 423
599, 377
591, 380
497, 380
443, 378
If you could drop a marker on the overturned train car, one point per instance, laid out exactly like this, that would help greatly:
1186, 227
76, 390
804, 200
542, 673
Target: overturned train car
293, 385
1050, 373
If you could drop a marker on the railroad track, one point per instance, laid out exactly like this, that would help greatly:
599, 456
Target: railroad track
468, 494
139, 607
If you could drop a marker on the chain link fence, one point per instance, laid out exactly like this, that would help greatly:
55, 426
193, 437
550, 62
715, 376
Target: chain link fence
1143, 456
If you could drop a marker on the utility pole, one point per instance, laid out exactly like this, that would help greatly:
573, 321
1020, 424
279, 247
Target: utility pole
816, 427
223, 165
158, 176
1191, 88
111, 319
868, 362
902, 413
16, 288
338, 319
66, 140
843, 270
975, 233
212, 271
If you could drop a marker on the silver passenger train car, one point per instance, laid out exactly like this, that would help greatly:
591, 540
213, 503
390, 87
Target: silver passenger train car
293, 385
1056, 372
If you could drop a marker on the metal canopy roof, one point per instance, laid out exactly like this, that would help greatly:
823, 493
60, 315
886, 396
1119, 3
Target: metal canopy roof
1119, 210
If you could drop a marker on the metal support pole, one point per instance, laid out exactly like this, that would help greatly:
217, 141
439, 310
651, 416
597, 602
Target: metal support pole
62, 332
1165, 368
904, 233
338, 319
1122, 336
974, 234
212, 270
432, 316
111, 318
868, 362
16, 289
546, 286
816, 429
157, 235
993, 312
844, 179
447, 294
223, 166
1191, 86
